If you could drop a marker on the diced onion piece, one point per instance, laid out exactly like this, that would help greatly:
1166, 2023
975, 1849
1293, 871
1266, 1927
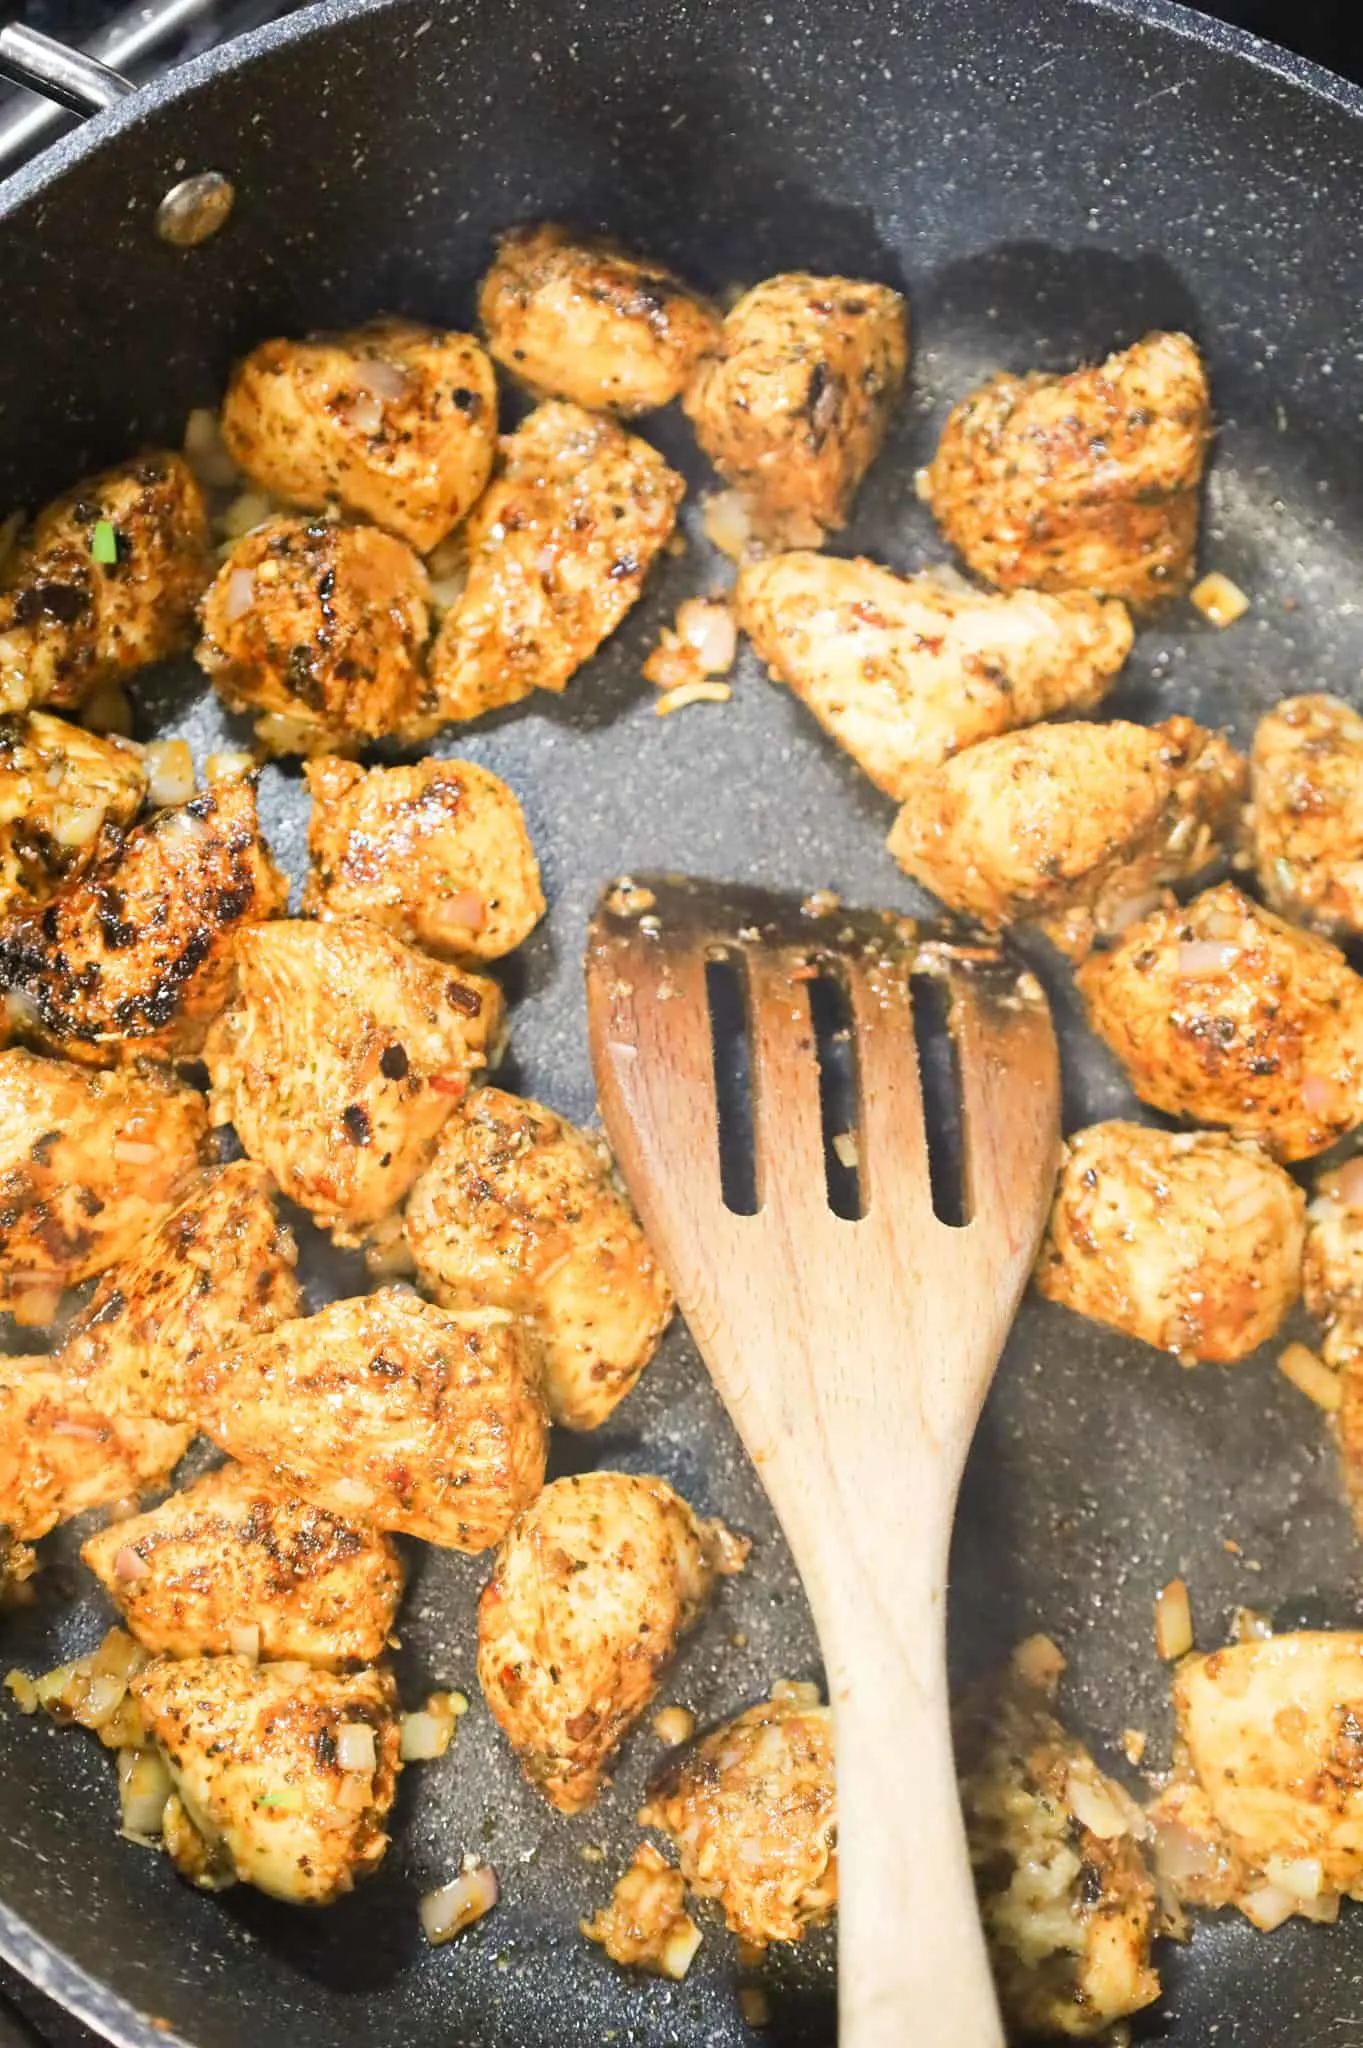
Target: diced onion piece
170, 769
1173, 1621
691, 693
1199, 957
34, 1307
1300, 1875
1094, 1803
104, 1695
241, 594
130, 1566
1249, 1625
425, 1736
463, 912
246, 512
1349, 1183
1220, 601
1310, 1376
133, 1152
355, 1749
708, 627
75, 824
1319, 1095
353, 1493
678, 1951
1181, 1856
459, 1704
674, 1725
144, 1786
244, 1640
281, 733
845, 1150
1267, 1906
206, 451
228, 767
456, 1906
727, 524
365, 413
109, 711
754, 2005
1134, 1743
385, 380
26, 1695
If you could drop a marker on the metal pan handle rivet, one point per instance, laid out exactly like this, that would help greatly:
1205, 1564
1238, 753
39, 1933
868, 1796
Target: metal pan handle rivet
195, 209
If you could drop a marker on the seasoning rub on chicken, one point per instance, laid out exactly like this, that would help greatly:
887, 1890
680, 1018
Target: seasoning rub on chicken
59, 787
590, 1594
418, 1420
1306, 817
905, 671
520, 1209
60, 1454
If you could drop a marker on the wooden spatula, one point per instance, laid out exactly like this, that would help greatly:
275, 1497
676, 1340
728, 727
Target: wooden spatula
853, 1355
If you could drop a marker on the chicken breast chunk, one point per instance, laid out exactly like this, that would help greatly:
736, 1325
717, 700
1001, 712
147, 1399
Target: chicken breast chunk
521, 1210
1075, 827
905, 671
1306, 817
437, 853
394, 421
59, 787
89, 1163
646, 1925
753, 1812
1191, 1241
794, 406
557, 553
133, 958
1082, 482
285, 1776
420, 1421
60, 1454
576, 317
1069, 1908
339, 1057
220, 1267
237, 1556
1332, 1269
321, 628
105, 582
1222, 1013
590, 1593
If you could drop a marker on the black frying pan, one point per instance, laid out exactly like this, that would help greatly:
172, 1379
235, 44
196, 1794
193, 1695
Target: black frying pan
1045, 180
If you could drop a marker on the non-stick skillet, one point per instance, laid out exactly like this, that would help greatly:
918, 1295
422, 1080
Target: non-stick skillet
1045, 180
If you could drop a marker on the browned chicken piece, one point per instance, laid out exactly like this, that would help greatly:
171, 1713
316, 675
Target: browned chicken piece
426, 1423
905, 671
1068, 1905
60, 1454
340, 1056
1306, 815
238, 1559
1191, 1241
753, 1813
1270, 1775
285, 1776
794, 406
521, 1210
105, 582
1332, 1270
1222, 1013
590, 1594
132, 959
320, 627
219, 1268
646, 1925
557, 552
1074, 827
576, 317
89, 1163
59, 787
1082, 482
393, 421
437, 853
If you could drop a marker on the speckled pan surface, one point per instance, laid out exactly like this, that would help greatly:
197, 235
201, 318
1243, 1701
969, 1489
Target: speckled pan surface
1045, 181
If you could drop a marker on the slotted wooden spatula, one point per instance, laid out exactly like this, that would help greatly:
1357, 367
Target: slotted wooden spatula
853, 1355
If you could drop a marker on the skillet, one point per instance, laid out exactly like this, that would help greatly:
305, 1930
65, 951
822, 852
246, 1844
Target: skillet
1046, 181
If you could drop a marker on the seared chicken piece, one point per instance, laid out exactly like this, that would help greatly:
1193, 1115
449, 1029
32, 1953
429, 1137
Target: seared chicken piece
133, 958
576, 317
557, 550
591, 1591
321, 628
646, 1925
89, 1163
420, 1421
1073, 827
753, 1812
219, 1268
1191, 1241
59, 786
522, 1210
1332, 1270
61, 1454
338, 1059
1069, 1908
105, 582
238, 1555
1221, 1012
285, 1776
393, 421
1082, 482
794, 406
905, 671
1306, 817
437, 853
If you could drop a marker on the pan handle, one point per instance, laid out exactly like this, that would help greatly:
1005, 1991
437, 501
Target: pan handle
70, 78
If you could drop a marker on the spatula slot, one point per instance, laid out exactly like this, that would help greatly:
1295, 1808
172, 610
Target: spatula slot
940, 1082
839, 1093
726, 995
